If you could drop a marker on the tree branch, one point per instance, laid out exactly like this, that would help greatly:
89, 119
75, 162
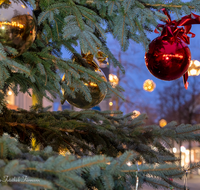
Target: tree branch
35, 127
165, 5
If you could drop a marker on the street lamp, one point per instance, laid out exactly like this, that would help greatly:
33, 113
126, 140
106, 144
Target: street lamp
194, 68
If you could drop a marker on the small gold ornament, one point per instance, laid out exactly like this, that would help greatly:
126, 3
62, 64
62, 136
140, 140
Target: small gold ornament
97, 96
149, 85
17, 25
102, 59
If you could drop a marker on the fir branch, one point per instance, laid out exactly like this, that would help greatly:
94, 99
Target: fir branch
167, 5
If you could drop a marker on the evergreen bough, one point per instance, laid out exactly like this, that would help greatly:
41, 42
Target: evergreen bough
98, 146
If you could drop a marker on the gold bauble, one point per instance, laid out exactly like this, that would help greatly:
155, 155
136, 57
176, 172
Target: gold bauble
149, 85
17, 25
102, 59
97, 96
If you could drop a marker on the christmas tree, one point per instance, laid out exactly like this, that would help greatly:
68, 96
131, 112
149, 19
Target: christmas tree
103, 149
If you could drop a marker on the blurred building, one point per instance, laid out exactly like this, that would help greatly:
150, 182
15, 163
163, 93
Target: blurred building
23, 101
186, 154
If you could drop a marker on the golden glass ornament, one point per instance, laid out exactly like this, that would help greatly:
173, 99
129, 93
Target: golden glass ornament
97, 96
149, 85
17, 25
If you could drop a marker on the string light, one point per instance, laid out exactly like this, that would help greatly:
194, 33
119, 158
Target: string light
110, 103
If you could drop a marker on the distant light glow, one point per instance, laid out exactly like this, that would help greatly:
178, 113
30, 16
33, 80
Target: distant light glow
149, 85
113, 79
174, 150
139, 163
193, 72
194, 68
196, 63
9, 92
183, 149
129, 163
23, 6
110, 103
162, 122
136, 114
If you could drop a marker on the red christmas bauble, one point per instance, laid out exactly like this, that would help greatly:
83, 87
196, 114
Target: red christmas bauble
168, 58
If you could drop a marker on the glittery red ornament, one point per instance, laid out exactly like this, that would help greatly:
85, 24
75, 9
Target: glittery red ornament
168, 58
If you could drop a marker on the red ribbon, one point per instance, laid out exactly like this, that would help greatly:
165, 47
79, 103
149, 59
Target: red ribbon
173, 29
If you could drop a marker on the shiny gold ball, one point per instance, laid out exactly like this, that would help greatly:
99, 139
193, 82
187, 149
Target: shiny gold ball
97, 96
149, 85
17, 25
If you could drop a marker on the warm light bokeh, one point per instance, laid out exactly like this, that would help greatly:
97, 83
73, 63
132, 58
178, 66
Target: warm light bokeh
149, 85
162, 122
